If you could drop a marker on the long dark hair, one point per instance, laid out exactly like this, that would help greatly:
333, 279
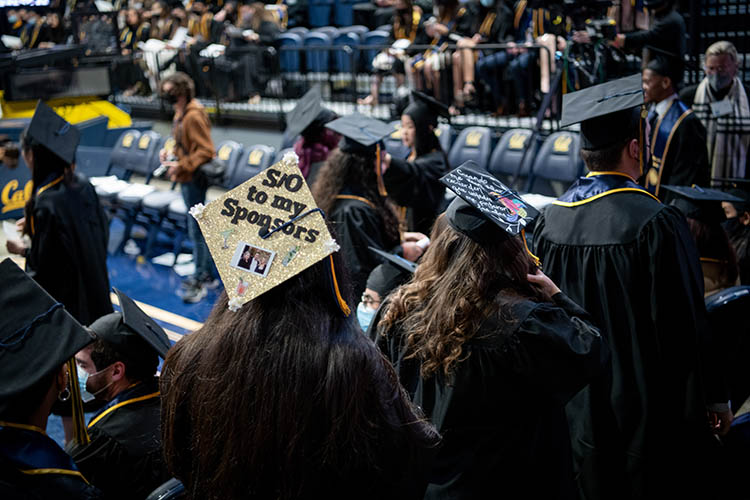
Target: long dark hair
47, 165
356, 172
458, 284
286, 399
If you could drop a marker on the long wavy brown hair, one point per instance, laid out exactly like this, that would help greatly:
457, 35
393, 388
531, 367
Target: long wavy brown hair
458, 284
356, 173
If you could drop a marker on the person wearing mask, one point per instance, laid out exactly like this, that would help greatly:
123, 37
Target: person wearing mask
678, 151
37, 341
128, 74
479, 332
123, 458
350, 191
640, 431
15, 22
303, 404
720, 102
737, 225
414, 182
32, 31
194, 147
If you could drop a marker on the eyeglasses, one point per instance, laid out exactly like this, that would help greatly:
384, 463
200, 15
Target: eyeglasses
369, 300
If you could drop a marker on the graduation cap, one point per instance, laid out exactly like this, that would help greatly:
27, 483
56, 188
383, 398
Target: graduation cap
266, 231
131, 331
606, 111
386, 277
424, 110
37, 334
396, 260
51, 131
308, 112
703, 204
665, 63
485, 210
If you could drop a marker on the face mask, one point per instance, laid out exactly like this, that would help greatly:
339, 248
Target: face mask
719, 81
32, 21
364, 316
487, 3
170, 98
83, 377
732, 226
12, 19
96, 393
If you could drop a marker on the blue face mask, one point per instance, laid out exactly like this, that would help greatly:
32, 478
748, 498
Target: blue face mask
83, 377
31, 21
364, 316
487, 3
12, 19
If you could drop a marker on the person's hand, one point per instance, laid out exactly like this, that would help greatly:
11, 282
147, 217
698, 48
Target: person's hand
253, 37
414, 236
220, 16
173, 168
581, 36
15, 247
477, 38
541, 280
619, 41
21, 224
411, 251
441, 29
467, 43
126, 52
720, 421
385, 163
163, 155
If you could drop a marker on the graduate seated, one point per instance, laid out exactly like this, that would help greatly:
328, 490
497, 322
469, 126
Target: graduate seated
124, 457
38, 340
279, 395
737, 226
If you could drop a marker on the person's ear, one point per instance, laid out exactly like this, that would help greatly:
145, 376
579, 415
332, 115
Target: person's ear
744, 218
666, 82
118, 371
634, 149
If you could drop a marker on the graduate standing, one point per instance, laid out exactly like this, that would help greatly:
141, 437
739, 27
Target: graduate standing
414, 182
124, 457
38, 338
629, 260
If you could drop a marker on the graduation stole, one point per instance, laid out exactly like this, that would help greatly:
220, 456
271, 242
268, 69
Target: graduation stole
486, 27
126, 36
400, 32
660, 140
32, 452
597, 185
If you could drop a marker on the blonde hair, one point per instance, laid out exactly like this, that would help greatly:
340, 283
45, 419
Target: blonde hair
721, 48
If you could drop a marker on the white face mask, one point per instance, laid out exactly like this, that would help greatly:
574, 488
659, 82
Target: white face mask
365, 315
83, 377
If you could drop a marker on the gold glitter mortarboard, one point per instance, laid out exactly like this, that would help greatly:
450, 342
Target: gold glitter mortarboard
265, 231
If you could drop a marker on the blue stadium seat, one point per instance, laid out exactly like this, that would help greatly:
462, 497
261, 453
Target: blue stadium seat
372, 38
320, 12
393, 142
299, 30
343, 61
557, 165
343, 12
121, 156
317, 61
93, 161
331, 31
385, 27
445, 132
473, 143
122, 162
256, 159
357, 28
289, 60
230, 154
508, 153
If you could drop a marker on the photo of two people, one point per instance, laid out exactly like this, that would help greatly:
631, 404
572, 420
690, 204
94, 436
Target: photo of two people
253, 259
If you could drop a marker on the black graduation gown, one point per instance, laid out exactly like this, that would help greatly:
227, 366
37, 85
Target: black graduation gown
54, 474
501, 417
124, 457
416, 185
357, 226
68, 254
631, 262
666, 33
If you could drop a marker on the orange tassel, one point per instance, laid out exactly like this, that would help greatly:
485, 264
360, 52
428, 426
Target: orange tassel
379, 171
342, 303
534, 257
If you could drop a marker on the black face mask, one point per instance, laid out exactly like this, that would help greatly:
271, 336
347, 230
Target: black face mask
402, 12
170, 98
732, 226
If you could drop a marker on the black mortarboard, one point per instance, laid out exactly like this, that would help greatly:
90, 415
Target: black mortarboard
396, 260
666, 64
308, 112
605, 111
424, 110
703, 204
486, 209
386, 277
37, 334
360, 133
132, 331
53, 132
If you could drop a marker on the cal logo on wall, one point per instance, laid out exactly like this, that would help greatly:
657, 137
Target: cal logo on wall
13, 197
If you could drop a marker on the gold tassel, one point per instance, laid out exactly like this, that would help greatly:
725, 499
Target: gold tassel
342, 303
533, 257
641, 138
80, 434
379, 171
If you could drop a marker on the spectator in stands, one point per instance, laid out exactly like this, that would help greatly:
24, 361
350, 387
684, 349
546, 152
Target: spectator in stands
479, 329
15, 22
37, 340
737, 226
124, 458
667, 32
414, 182
256, 66
161, 20
194, 147
54, 31
492, 23
452, 22
129, 75
31, 33
678, 151
302, 404
407, 28
720, 101
134, 31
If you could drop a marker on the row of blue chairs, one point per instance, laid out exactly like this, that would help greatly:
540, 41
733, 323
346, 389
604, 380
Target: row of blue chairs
164, 211
293, 59
323, 12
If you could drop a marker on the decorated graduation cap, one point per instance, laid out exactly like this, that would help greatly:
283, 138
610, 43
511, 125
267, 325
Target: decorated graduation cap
51, 131
266, 231
37, 336
665, 63
608, 112
703, 204
425, 109
132, 331
396, 260
485, 209
308, 112
361, 135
